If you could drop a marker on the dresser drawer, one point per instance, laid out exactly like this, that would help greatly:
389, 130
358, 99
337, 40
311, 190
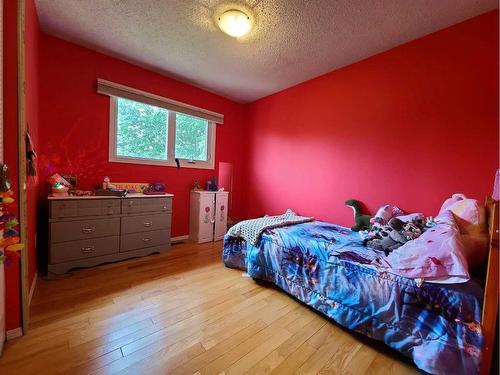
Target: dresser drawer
141, 205
74, 250
136, 241
131, 206
78, 208
156, 204
110, 207
62, 209
141, 223
82, 229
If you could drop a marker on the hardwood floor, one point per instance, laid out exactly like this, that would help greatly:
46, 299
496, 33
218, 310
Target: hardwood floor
183, 313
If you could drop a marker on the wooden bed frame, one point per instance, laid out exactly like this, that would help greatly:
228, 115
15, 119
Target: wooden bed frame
491, 288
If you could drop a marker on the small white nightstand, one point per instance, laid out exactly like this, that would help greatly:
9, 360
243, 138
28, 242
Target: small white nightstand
208, 215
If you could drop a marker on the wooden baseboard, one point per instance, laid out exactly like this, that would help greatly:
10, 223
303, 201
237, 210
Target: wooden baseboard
33, 286
14, 333
180, 238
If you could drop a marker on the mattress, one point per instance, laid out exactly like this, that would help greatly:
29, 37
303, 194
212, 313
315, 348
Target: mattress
327, 267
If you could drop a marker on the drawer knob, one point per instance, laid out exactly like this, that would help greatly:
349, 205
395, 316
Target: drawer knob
146, 240
147, 223
88, 249
130, 203
88, 230
164, 207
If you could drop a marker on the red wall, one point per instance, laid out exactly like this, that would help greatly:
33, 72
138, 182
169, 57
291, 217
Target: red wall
75, 124
409, 126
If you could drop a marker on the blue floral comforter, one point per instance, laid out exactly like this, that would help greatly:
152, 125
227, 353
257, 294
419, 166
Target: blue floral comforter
327, 267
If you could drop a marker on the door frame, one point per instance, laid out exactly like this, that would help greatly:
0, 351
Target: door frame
21, 139
2, 274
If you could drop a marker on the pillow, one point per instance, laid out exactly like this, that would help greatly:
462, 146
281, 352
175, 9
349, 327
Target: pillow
470, 218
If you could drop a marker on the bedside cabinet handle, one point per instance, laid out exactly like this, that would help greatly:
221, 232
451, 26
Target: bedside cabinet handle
147, 223
87, 250
164, 207
146, 240
88, 230
130, 203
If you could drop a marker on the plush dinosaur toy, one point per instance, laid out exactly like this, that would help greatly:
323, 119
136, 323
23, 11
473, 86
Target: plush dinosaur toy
361, 221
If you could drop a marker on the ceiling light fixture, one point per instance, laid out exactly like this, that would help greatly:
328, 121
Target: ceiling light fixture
234, 23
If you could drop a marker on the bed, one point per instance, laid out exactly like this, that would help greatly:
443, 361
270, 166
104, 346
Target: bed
327, 267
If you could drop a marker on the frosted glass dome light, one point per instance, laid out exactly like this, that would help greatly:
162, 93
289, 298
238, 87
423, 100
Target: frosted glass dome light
234, 23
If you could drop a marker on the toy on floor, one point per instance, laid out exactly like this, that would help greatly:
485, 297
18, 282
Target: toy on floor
361, 221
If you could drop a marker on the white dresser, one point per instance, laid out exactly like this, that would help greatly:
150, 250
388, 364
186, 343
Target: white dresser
208, 215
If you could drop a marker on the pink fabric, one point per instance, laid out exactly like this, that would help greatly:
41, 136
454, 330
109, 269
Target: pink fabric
437, 255
470, 217
468, 212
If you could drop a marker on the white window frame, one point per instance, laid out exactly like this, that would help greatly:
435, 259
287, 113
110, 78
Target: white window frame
170, 162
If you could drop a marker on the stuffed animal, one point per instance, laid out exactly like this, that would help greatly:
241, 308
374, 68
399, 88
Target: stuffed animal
394, 234
386, 213
383, 215
361, 221
381, 218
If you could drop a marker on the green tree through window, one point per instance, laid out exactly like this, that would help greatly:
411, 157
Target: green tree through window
141, 130
191, 136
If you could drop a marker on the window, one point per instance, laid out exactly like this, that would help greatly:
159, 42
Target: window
146, 134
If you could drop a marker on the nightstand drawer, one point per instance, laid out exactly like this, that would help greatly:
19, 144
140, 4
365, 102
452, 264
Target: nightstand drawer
134, 241
135, 224
74, 250
82, 229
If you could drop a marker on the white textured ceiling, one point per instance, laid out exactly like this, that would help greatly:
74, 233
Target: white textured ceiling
292, 40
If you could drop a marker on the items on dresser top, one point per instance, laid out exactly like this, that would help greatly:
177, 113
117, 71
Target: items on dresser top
155, 188
87, 231
110, 192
